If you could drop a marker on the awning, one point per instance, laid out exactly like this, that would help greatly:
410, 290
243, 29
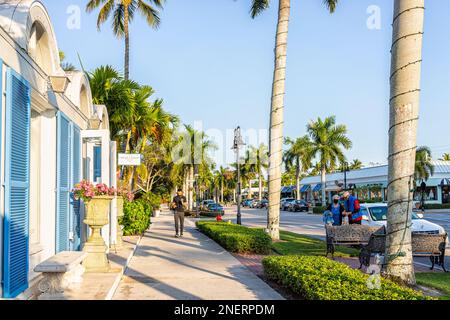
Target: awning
284, 190
305, 188
317, 187
333, 188
445, 182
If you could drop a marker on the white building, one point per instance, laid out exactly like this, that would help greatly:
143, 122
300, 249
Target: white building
373, 183
51, 138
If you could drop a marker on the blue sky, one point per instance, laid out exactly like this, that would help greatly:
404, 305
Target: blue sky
210, 61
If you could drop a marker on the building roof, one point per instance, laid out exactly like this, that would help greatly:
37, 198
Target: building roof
376, 175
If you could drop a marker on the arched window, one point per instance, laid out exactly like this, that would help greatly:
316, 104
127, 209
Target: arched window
39, 48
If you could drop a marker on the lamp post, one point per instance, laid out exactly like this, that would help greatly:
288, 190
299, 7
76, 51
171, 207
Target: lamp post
236, 146
345, 165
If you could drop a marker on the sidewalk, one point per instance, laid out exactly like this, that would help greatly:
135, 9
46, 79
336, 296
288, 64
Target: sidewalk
191, 268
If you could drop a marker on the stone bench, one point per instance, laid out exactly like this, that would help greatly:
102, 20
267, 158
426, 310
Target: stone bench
59, 272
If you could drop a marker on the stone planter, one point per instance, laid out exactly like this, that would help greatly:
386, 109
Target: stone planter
97, 212
156, 213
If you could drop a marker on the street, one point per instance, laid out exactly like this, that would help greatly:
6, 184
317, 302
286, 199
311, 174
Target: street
311, 224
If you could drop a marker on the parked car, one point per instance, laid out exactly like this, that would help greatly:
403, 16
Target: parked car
246, 202
254, 204
298, 205
204, 204
215, 207
263, 204
286, 204
375, 214
284, 200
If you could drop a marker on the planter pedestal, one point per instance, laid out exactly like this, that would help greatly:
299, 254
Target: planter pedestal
97, 211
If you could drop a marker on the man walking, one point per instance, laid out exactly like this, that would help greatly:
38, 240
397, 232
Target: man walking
178, 207
352, 208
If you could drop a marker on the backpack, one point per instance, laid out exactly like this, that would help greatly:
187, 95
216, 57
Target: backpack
357, 205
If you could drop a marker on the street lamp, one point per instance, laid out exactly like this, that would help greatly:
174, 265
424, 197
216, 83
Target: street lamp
238, 142
345, 167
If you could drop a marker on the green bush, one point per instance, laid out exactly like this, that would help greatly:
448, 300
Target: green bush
319, 210
153, 199
432, 206
136, 217
211, 214
319, 278
237, 238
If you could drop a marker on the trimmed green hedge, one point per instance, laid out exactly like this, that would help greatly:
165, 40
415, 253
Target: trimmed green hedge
237, 238
211, 214
319, 210
319, 278
432, 206
136, 217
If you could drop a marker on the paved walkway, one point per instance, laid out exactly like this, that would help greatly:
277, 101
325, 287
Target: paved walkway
191, 268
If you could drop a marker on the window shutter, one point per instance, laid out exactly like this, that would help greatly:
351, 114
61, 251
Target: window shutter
17, 184
76, 177
63, 184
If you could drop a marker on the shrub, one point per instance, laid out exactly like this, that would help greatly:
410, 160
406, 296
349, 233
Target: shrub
431, 206
153, 199
136, 217
319, 278
211, 214
237, 238
319, 210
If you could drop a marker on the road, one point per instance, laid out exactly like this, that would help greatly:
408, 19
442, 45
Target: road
311, 224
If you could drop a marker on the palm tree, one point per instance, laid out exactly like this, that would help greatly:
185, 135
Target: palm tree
277, 107
445, 157
258, 163
406, 63
356, 164
327, 141
123, 13
298, 156
424, 167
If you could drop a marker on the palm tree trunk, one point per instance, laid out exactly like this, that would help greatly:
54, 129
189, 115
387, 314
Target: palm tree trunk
221, 191
126, 17
260, 187
297, 179
323, 180
276, 120
191, 187
404, 111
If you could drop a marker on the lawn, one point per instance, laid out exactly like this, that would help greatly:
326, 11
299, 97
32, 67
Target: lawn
437, 280
295, 244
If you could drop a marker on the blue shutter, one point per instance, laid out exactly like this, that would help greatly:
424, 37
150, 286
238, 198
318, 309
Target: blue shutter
63, 186
17, 186
75, 216
97, 163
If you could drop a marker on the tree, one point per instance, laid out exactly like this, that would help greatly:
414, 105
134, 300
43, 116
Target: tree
406, 63
258, 162
445, 157
424, 167
123, 12
66, 66
277, 107
327, 141
298, 156
356, 164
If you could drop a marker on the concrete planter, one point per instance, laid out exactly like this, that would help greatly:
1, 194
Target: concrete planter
97, 212
156, 213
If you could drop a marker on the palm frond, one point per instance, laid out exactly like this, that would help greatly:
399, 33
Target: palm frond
258, 6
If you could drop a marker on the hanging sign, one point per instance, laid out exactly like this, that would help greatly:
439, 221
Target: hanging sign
129, 159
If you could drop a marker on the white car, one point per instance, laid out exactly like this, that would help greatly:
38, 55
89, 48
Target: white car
375, 214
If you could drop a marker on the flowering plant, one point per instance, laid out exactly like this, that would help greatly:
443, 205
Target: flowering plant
86, 190
126, 194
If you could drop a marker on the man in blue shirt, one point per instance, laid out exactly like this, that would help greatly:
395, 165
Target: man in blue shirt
352, 209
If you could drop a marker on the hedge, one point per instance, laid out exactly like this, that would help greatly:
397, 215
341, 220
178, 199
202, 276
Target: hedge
236, 238
432, 206
136, 217
319, 210
211, 214
319, 278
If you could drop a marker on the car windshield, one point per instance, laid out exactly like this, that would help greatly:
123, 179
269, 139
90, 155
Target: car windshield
380, 213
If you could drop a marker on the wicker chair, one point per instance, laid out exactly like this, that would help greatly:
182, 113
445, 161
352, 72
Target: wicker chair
348, 235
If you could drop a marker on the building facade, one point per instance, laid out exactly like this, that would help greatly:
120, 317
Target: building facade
371, 184
51, 137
